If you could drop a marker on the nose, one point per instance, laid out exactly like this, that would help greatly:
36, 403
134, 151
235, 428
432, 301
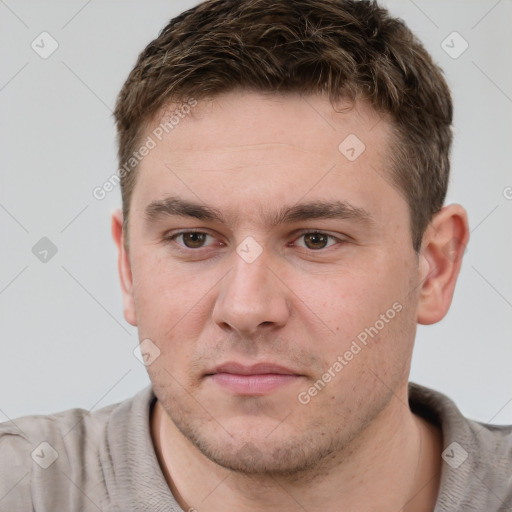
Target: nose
251, 298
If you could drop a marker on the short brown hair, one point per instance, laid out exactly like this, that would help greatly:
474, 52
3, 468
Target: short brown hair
348, 49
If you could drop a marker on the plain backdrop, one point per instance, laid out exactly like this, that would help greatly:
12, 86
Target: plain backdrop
65, 342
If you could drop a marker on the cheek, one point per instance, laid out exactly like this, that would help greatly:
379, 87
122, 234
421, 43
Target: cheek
362, 312
350, 298
165, 290
171, 306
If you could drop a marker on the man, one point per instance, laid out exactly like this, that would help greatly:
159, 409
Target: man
283, 168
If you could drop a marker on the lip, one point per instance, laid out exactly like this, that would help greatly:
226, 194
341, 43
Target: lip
254, 369
256, 379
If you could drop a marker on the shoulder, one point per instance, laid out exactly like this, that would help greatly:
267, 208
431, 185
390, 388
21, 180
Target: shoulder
63, 428
15, 468
57, 451
477, 456
480, 464
492, 446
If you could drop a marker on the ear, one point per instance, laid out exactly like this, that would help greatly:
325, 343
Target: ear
441, 255
124, 267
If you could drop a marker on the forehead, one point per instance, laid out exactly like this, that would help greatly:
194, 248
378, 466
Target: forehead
268, 120
264, 149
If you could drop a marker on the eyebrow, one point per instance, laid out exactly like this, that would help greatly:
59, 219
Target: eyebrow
172, 206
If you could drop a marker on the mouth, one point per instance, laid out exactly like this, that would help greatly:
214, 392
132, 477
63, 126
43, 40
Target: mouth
257, 379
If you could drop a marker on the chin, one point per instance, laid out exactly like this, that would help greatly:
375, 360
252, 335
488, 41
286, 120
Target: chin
259, 453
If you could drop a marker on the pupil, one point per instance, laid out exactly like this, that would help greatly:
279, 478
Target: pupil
194, 239
317, 240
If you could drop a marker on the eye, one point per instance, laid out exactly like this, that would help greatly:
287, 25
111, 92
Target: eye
316, 240
190, 239
312, 240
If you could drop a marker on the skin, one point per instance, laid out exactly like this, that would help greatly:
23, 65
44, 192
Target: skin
356, 445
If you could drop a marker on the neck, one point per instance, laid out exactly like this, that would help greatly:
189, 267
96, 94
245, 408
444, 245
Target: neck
394, 464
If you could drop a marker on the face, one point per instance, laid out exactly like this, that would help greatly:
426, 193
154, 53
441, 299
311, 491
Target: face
273, 272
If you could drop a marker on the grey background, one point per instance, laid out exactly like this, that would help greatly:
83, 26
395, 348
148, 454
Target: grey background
65, 342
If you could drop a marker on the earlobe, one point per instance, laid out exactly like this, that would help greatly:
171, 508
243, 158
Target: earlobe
440, 260
124, 268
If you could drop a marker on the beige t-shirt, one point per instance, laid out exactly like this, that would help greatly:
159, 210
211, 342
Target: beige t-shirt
105, 461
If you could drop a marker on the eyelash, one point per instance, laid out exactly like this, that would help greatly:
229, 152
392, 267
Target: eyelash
183, 248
